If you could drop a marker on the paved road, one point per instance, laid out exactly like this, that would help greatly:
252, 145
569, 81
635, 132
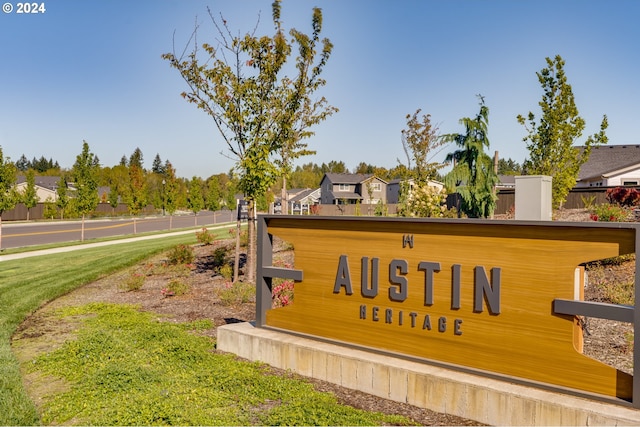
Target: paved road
30, 254
22, 234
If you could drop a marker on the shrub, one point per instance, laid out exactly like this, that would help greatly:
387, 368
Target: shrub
178, 287
219, 256
424, 202
133, 282
623, 196
226, 271
609, 213
204, 237
381, 209
181, 254
244, 236
237, 293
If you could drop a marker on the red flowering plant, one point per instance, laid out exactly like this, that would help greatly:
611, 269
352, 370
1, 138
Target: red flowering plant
623, 196
167, 293
282, 290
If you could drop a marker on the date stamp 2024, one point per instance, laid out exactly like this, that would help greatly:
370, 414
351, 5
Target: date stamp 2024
24, 8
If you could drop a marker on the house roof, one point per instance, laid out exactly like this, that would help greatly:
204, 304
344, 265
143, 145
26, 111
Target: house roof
304, 194
347, 178
605, 159
48, 182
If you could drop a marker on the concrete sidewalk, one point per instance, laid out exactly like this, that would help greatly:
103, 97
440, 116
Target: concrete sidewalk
105, 243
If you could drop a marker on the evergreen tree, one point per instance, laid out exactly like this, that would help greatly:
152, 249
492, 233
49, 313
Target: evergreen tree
334, 167
22, 164
157, 166
551, 141
136, 158
509, 167
473, 176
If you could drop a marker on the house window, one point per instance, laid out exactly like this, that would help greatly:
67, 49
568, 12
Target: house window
343, 187
629, 182
376, 186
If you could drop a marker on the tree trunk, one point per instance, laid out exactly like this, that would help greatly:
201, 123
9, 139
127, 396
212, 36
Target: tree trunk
250, 267
0, 230
284, 201
82, 230
236, 261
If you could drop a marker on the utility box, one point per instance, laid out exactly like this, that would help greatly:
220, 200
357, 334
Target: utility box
533, 198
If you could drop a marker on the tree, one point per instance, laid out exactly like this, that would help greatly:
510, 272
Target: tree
213, 193
63, 198
157, 166
136, 158
195, 201
85, 177
22, 164
255, 110
298, 113
8, 196
509, 167
137, 194
473, 176
113, 197
171, 189
421, 142
30, 196
551, 141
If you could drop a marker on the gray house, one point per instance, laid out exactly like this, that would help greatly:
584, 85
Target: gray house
348, 188
610, 166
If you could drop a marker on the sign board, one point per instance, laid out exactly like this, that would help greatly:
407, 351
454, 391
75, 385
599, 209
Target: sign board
243, 210
494, 297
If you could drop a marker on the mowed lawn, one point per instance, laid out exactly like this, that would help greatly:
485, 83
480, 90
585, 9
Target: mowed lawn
26, 284
136, 370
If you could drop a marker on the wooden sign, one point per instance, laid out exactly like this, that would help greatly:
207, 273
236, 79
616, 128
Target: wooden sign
469, 293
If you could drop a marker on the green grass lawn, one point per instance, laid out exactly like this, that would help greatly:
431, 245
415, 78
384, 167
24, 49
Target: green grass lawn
127, 368
26, 284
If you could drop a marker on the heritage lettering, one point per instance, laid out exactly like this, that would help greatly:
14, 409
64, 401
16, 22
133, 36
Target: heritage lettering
486, 289
392, 316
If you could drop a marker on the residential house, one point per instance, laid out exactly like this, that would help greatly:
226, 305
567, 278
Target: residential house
298, 200
347, 188
301, 201
393, 188
506, 182
46, 187
611, 166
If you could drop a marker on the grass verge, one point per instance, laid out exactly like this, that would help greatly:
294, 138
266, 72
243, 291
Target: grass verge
127, 368
26, 284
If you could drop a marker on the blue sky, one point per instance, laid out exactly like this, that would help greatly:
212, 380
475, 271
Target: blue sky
92, 70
